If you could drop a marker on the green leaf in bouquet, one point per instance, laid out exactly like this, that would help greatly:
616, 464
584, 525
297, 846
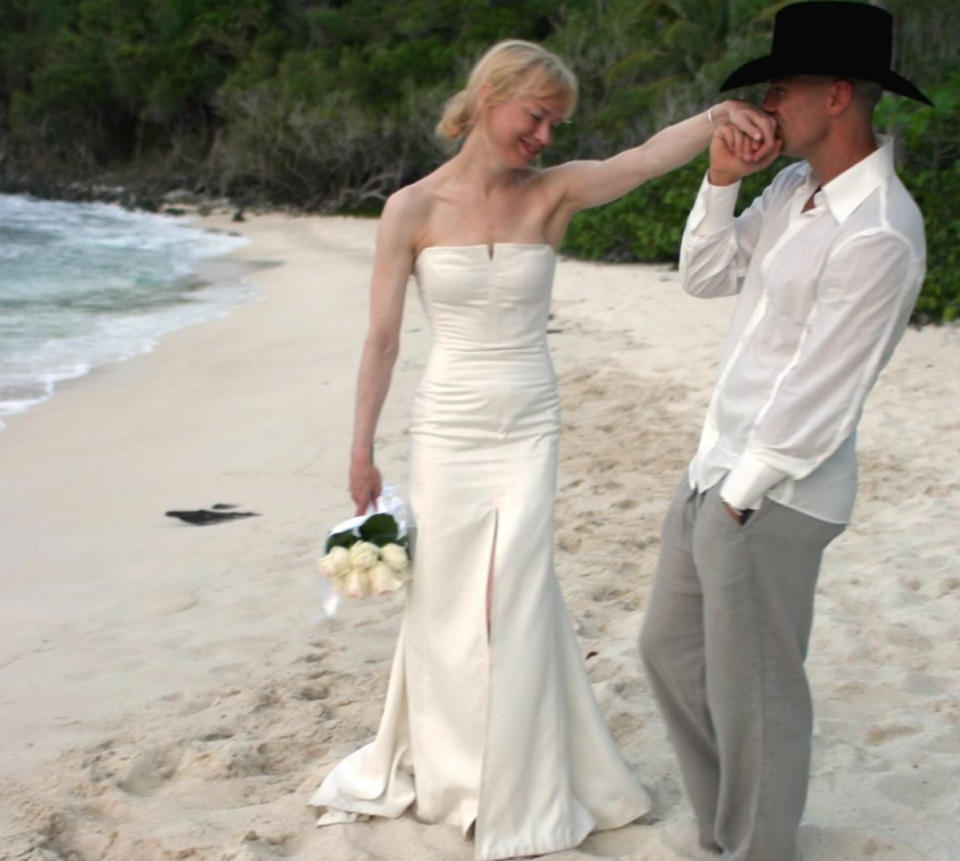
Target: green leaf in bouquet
380, 529
341, 539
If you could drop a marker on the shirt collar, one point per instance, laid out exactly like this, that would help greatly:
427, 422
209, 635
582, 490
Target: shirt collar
844, 193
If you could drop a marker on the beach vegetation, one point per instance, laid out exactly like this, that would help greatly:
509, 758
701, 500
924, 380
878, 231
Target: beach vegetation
330, 105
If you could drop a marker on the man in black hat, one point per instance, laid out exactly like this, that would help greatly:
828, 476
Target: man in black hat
826, 264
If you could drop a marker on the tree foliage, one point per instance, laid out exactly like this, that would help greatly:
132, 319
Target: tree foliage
325, 104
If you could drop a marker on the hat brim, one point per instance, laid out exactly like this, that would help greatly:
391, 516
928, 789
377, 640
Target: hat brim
764, 69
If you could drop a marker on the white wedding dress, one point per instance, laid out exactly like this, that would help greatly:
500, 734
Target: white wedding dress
502, 732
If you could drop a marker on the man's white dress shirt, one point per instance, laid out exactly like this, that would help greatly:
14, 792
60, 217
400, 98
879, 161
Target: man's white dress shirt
824, 297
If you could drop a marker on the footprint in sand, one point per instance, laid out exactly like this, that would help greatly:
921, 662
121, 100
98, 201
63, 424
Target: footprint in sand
881, 733
606, 594
840, 844
313, 693
147, 772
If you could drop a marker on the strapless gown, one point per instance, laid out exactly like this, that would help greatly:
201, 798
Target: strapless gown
502, 731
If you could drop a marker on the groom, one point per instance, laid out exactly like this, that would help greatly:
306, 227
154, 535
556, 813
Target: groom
826, 263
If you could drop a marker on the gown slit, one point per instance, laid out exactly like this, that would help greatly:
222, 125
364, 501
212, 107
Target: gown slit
488, 604
491, 724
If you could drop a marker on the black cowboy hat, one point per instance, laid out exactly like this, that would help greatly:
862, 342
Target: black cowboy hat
849, 40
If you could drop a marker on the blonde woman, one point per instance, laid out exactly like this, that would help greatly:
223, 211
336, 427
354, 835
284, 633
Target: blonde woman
489, 721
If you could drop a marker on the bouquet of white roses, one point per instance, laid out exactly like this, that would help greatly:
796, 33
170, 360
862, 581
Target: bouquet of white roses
368, 554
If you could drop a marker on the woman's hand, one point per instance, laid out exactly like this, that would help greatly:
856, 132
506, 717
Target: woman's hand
365, 483
757, 125
734, 155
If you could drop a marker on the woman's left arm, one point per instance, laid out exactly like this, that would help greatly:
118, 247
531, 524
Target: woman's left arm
592, 183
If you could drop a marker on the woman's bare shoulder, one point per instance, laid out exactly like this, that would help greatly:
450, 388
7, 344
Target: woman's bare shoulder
413, 204
404, 216
405, 202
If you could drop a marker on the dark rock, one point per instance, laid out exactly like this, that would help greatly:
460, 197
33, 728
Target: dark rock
208, 516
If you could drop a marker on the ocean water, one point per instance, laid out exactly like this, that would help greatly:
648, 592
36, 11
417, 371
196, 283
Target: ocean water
82, 285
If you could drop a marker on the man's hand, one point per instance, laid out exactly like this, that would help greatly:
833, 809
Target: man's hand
734, 155
740, 516
759, 127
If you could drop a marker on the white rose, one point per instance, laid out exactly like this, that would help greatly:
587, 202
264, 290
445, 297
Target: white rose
395, 556
405, 575
364, 555
356, 584
336, 563
383, 579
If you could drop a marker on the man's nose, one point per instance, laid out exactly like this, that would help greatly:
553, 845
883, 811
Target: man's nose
769, 103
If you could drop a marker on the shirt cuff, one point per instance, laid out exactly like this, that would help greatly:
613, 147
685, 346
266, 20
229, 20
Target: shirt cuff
719, 202
747, 483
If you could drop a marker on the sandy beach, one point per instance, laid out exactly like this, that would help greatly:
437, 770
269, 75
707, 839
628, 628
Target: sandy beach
174, 692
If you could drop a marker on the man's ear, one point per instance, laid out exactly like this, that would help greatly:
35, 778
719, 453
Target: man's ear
840, 96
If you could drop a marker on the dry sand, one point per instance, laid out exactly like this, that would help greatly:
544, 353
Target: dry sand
171, 692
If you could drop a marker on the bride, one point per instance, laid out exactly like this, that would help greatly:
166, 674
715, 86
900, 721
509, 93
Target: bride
489, 721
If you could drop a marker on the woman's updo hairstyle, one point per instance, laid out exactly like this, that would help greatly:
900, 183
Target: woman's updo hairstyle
511, 68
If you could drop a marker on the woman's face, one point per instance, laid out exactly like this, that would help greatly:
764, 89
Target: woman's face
522, 127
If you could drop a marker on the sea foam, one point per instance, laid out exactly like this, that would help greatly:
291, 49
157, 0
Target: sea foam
82, 285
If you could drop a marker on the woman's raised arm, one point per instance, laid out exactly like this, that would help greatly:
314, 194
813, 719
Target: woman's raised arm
592, 183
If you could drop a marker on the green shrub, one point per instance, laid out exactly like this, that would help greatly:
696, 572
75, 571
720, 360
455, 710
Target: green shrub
330, 104
937, 193
647, 226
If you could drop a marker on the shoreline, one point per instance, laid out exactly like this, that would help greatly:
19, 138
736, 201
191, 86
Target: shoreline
219, 273
212, 288
172, 690
178, 405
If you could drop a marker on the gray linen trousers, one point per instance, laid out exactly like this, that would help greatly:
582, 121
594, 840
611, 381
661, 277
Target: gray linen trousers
723, 642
